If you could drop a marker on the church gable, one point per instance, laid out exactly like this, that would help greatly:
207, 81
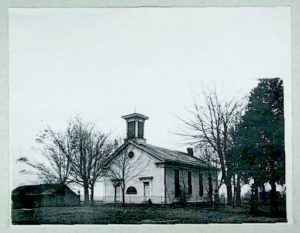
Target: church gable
133, 152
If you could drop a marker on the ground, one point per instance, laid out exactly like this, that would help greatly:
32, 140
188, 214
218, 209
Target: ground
109, 214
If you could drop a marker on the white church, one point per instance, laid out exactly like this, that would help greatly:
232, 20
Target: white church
154, 173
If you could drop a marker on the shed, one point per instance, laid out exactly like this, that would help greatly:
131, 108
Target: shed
44, 195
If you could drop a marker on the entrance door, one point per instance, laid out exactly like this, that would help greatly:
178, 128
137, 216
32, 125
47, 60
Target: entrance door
146, 191
118, 194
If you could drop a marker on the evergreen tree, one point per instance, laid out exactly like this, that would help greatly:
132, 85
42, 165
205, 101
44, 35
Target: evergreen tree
261, 137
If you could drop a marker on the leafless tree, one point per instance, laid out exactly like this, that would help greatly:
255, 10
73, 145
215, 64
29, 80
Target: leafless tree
89, 149
55, 167
123, 168
102, 149
207, 154
209, 128
74, 156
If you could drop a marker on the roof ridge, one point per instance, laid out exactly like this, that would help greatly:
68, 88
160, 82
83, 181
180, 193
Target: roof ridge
38, 185
186, 154
182, 153
168, 149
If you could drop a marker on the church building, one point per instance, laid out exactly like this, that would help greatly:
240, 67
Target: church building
152, 173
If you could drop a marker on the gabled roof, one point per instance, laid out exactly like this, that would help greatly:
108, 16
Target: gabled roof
164, 155
175, 157
41, 189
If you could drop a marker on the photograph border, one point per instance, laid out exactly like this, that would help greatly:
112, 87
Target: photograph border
292, 114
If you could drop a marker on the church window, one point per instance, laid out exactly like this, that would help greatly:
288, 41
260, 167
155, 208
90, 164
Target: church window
210, 185
190, 182
131, 190
130, 154
200, 184
177, 185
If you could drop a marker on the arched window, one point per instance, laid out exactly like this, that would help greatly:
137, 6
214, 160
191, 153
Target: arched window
131, 190
130, 154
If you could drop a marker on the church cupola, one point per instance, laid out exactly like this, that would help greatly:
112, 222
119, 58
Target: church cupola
135, 127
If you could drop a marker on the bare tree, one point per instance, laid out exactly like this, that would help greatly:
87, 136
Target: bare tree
74, 156
124, 168
102, 149
56, 167
89, 149
209, 127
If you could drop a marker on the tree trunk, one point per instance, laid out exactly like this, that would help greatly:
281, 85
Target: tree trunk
273, 198
210, 189
238, 191
216, 199
92, 195
273, 195
234, 192
115, 196
123, 196
86, 193
228, 189
254, 199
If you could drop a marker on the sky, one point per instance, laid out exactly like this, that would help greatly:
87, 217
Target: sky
103, 63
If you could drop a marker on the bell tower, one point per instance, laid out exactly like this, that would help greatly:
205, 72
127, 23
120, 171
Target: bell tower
135, 127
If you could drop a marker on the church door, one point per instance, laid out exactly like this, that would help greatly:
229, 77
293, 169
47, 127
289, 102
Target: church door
146, 191
118, 194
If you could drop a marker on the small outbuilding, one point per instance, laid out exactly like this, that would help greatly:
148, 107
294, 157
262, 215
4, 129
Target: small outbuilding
44, 195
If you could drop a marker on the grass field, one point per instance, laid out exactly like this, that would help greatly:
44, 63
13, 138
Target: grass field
109, 214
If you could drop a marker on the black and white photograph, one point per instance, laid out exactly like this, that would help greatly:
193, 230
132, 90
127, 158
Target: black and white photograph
149, 115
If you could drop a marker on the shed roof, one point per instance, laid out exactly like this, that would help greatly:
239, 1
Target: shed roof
41, 189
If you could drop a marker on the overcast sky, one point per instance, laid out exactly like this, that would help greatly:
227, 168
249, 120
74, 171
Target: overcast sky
100, 64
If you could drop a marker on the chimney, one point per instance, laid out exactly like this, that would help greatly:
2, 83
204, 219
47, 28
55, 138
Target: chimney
190, 151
